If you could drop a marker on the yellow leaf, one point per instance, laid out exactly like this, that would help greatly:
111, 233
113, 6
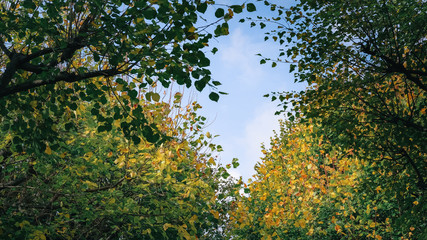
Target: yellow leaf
88, 155
300, 223
215, 213
193, 219
230, 12
124, 150
33, 104
39, 235
23, 223
90, 184
166, 226
48, 151
212, 161
192, 29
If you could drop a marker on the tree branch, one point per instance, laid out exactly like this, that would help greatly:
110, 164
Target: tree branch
106, 187
20, 180
421, 183
11, 68
21, 61
395, 67
63, 76
4, 48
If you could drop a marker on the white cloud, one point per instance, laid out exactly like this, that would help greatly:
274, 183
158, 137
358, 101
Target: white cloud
239, 57
258, 131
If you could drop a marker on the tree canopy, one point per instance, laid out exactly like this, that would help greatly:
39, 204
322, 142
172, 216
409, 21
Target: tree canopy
55, 53
366, 64
90, 147
102, 186
308, 188
359, 128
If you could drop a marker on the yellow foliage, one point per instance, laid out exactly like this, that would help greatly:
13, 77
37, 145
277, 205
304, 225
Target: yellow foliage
293, 182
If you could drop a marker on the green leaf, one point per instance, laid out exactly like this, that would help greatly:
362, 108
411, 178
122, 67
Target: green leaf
202, 7
150, 13
235, 162
219, 13
237, 8
214, 96
136, 140
216, 83
155, 97
148, 96
200, 85
225, 175
204, 62
73, 106
250, 7
221, 30
132, 93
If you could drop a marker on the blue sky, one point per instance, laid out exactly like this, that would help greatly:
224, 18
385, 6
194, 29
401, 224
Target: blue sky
244, 119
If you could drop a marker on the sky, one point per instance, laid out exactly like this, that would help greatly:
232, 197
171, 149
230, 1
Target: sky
244, 119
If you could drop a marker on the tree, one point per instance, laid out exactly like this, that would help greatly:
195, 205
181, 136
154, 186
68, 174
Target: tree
53, 49
102, 186
365, 66
88, 149
367, 69
308, 188
365, 62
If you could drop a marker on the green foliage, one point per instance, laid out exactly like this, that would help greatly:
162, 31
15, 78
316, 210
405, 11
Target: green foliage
100, 185
47, 45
